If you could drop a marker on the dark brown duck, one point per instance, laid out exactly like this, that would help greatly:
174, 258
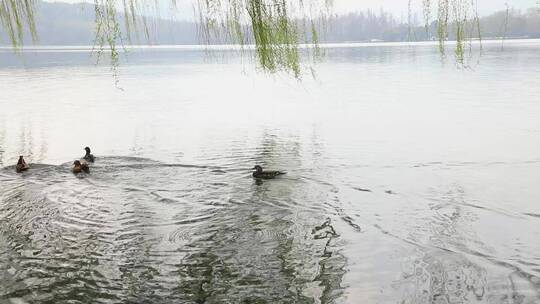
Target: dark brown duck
79, 167
88, 156
268, 174
21, 165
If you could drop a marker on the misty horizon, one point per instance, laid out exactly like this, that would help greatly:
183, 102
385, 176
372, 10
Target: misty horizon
76, 27
399, 8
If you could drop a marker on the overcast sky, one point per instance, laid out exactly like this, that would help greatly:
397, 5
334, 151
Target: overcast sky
397, 7
400, 6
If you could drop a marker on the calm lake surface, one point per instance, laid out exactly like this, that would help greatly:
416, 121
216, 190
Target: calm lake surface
410, 180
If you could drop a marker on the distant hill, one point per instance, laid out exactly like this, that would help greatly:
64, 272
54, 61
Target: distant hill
61, 23
73, 24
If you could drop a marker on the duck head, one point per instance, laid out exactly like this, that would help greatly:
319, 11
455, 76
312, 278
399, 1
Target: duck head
21, 160
77, 163
87, 149
257, 168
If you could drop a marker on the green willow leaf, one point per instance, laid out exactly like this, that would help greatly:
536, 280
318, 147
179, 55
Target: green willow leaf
275, 29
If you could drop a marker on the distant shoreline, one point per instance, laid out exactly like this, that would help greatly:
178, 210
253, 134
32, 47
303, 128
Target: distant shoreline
232, 47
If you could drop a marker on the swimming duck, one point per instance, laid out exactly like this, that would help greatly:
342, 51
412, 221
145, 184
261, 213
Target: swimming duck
79, 167
259, 173
88, 157
21, 165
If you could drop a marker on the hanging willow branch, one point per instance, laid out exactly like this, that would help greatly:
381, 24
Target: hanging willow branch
442, 23
14, 15
272, 26
426, 5
275, 28
460, 10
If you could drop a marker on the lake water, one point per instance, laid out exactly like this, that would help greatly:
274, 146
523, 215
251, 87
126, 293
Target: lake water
410, 180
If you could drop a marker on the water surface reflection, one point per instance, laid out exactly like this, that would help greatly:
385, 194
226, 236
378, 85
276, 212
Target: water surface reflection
409, 181
136, 230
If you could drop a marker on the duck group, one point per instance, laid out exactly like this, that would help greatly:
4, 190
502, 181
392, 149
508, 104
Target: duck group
82, 165
79, 166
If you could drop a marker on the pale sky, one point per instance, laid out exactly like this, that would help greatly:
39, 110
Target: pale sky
396, 7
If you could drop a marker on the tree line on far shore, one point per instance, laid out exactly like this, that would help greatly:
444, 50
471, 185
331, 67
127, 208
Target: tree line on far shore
69, 24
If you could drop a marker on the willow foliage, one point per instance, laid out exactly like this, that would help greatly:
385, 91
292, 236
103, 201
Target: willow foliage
14, 15
275, 28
